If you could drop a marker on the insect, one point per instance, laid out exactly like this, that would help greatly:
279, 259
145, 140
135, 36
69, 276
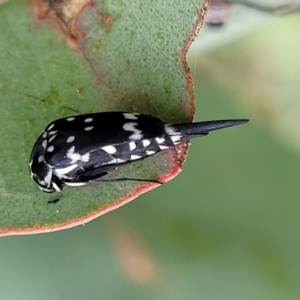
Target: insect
78, 150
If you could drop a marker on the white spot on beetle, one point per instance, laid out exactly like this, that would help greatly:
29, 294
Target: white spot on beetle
137, 134
162, 147
170, 130
45, 134
48, 177
50, 127
52, 138
41, 182
130, 116
70, 119
71, 139
130, 126
52, 132
76, 156
133, 157
71, 150
63, 171
72, 155
50, 149
75, 183
44, 144
88, 120
132, 146
174, 135
146, 143
41, 158
150, 152
56, 187
88, 128
175, 138
159, 140
109, 149
85, 157
120, 161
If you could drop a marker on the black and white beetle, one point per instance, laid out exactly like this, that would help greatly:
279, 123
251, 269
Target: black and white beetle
78, 150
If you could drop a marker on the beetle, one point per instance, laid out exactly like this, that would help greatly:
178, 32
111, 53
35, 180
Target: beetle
78, 150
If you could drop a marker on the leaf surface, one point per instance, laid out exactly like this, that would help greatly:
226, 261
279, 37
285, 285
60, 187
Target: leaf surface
60, 59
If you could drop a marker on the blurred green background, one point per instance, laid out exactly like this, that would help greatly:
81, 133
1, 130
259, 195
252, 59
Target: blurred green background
226, 228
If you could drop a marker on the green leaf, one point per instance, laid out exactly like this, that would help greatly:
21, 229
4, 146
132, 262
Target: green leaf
64, 59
